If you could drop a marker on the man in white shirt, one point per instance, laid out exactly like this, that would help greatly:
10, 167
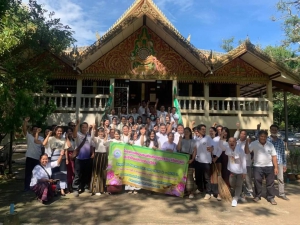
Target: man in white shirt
179, 133
242, 139
237, 167
162, 135
33, 152
204, 147
265, 165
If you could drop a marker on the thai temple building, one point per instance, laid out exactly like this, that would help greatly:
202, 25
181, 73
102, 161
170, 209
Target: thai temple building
144, 57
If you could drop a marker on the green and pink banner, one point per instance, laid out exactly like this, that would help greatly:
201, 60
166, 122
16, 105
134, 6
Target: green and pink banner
154, 170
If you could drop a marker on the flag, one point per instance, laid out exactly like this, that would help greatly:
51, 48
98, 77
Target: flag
177, 106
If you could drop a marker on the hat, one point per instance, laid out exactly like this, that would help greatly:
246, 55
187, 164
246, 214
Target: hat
176, 117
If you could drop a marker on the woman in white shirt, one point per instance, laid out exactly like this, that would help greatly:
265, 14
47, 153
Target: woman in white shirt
169, 145
100, 160
125, 137
151, 141
41, 182
57, 143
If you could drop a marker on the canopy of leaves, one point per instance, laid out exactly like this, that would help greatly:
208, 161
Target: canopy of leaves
29, 42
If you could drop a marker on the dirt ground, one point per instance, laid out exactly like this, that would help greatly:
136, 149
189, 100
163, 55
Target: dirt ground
142, 208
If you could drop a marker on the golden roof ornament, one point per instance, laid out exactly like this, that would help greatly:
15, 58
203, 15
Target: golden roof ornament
189, 38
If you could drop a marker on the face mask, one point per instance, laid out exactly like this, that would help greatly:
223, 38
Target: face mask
274, 134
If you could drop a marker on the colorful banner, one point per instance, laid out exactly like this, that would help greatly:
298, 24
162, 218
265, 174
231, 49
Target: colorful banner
154, 170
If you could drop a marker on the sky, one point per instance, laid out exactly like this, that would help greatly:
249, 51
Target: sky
207, 21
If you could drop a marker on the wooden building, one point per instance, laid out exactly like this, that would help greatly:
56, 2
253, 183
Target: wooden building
144, 57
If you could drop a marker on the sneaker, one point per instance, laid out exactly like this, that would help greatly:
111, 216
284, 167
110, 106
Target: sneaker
284, 197
75, 193
272, 201
191, 196
219, 198
130, 192
234, 203
135, 192
98, 193
207, 196
256, 199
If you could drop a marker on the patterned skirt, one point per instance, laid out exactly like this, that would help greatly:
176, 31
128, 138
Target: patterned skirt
99, 173
43, 191
70, 169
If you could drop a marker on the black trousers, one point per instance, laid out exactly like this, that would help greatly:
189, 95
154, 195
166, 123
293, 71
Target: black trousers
29, 165
203, 170
83, 173
259, 174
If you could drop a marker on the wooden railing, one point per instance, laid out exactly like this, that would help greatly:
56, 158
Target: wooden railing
224, 105
68, 102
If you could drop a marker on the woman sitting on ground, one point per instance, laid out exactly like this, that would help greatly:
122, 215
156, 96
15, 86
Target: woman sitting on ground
41, 182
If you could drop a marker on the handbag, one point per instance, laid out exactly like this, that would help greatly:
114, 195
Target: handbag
77, 150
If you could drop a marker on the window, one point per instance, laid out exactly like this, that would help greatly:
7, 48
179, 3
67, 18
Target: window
95, 87
62, 86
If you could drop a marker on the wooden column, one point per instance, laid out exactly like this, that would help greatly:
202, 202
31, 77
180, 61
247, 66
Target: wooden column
206, 97
190, 90
238, 91
270, 98
78, 96
143, 92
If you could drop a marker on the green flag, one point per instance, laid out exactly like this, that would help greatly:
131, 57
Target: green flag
177, 106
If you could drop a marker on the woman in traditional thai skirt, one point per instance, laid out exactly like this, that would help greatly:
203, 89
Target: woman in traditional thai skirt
225, 135
98, 180
216, 166
70, 166
57, 143
186, 145
41, 182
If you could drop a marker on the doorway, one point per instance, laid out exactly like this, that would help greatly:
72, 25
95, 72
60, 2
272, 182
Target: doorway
150, 90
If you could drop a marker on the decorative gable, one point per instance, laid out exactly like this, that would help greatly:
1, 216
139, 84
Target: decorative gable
143, 55
239, 71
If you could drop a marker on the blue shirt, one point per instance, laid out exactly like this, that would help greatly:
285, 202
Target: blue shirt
280, 150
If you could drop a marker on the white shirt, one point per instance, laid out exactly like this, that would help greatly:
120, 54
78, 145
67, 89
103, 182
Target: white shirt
176, 137
99, 143
217, 150
125, 139
262, 153
39, 173
236, 160
169, 146
162, 138
204, 156
34, 150
248, 156
135, 116
141, 111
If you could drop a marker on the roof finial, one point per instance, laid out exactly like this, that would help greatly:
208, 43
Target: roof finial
189, 38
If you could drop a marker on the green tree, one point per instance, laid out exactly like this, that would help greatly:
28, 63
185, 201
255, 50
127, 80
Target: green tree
290, 10
29, 42
229, 44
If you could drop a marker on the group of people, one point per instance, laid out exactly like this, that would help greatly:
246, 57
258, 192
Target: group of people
76, 158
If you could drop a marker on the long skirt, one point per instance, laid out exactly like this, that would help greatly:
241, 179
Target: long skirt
190, 183
70, 169
43, 191
60, 172
98, 181
225, 171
